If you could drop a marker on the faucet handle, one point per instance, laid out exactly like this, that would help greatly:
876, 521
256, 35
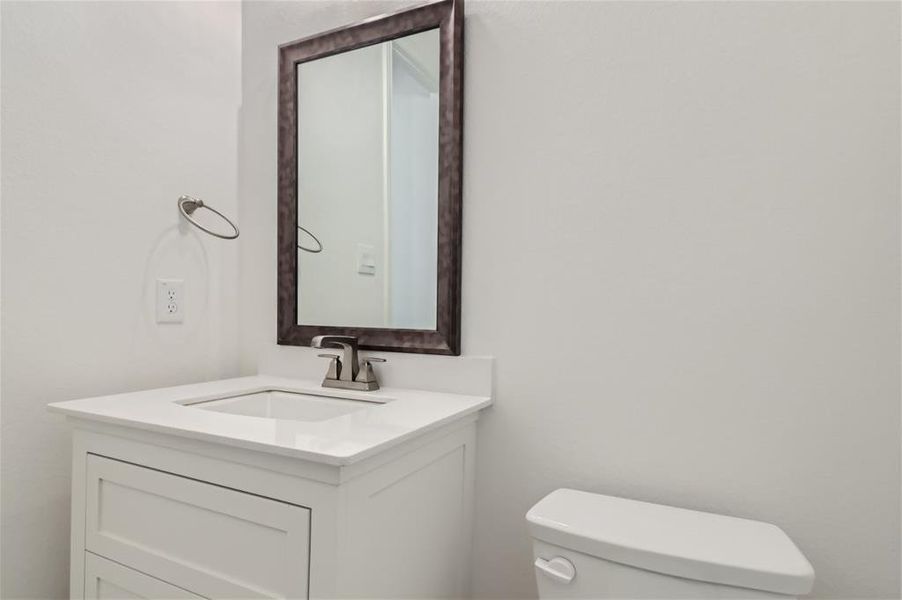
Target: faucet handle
367, 374
334, 365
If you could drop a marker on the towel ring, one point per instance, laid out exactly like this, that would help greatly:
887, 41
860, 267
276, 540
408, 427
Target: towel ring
187, 206
315, 239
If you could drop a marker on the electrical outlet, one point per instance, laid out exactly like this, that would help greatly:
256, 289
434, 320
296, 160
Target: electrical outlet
170, 300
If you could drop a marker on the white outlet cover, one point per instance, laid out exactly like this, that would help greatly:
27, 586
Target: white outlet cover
170, 300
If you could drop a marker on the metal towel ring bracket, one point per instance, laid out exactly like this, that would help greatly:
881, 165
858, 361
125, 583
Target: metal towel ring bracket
315, 239
187, 206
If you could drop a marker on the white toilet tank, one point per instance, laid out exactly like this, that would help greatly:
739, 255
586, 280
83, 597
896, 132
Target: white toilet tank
592, 546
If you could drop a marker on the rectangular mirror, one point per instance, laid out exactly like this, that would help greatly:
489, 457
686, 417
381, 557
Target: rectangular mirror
369, 182
368, 185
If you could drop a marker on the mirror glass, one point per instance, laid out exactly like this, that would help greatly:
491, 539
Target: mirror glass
367, 185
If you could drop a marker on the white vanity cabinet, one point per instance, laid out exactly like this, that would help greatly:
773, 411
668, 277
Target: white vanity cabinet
160, 514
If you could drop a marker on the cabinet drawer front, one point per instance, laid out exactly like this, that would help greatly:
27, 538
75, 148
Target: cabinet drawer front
106, 580
214, 541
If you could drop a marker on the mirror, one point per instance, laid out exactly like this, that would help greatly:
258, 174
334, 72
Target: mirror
368, 185
369, 182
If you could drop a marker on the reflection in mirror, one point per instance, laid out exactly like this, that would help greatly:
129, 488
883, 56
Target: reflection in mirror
367, 185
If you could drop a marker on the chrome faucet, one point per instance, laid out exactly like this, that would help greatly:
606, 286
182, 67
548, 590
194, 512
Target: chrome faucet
345, 371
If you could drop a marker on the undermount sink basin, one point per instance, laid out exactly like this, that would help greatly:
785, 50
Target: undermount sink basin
276, 404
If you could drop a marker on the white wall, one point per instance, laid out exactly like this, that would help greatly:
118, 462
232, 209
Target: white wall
713, 226
110, 111
681, 228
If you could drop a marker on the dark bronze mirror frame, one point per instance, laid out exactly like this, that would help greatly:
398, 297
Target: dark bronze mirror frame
447, 16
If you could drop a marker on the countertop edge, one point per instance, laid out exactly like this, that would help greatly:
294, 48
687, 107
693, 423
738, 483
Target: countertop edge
480, 403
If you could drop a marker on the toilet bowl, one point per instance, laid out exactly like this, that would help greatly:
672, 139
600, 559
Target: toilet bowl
593, 546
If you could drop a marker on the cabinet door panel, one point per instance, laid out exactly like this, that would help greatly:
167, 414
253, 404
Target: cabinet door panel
217, 542
106, 580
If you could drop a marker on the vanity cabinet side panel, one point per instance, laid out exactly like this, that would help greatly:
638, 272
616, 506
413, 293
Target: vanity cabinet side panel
77, 524
408, 524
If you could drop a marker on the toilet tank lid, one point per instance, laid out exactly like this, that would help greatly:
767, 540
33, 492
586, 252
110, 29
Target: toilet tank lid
675, 541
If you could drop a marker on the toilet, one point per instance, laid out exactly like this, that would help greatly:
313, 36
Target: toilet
593, 546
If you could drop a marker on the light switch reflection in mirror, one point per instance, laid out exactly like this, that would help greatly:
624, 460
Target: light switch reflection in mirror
368, 178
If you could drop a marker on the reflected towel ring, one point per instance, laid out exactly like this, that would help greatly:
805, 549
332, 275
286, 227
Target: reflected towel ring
315, 239
187, 206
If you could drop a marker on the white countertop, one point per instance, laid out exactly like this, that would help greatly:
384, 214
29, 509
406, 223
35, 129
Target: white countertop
338, 441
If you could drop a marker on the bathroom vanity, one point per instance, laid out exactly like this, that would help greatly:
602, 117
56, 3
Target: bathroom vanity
264, 487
